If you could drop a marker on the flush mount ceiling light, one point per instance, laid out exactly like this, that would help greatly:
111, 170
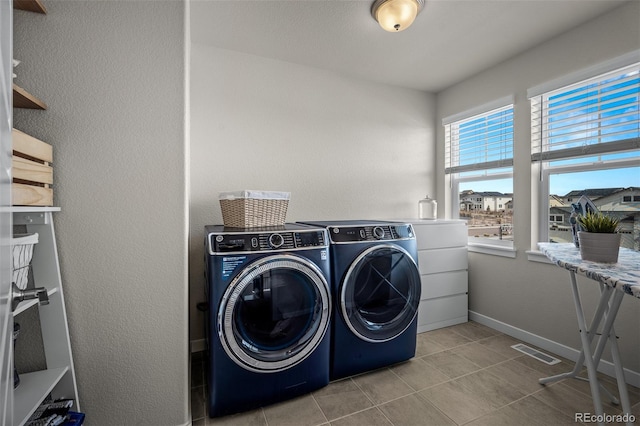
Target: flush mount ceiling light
396, 15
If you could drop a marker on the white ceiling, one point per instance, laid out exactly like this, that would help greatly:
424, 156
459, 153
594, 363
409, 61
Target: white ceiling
449, 41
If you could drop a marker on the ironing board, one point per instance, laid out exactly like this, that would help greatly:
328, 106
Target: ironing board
616, 280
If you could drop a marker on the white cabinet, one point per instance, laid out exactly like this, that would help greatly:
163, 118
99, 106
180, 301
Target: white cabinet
59, 376
443, 264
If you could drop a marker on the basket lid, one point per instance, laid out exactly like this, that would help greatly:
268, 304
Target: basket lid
262, 195
21, 239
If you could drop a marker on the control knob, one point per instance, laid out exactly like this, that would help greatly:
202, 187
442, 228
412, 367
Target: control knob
276, 240
378, 232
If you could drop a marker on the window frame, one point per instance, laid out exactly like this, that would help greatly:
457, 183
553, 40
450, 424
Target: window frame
454, 179
541, 170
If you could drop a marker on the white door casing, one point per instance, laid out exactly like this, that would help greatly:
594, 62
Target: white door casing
6, 317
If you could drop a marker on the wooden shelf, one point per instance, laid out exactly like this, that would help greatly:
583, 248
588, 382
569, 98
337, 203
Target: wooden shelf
24, 99
30, 6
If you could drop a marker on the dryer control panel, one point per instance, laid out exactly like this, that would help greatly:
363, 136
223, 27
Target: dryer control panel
362, 233
248, 242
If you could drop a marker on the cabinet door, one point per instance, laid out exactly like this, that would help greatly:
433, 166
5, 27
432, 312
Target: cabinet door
443, 260
440, 235
6, 318
444, 284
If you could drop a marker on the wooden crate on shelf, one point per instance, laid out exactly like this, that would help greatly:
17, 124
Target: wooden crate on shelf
32, 171
30, 6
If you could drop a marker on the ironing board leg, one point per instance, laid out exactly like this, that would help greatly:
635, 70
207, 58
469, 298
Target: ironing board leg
610, 334
586, 347
597, 318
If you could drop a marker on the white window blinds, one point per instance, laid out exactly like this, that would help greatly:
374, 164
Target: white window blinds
588, 119
481, 142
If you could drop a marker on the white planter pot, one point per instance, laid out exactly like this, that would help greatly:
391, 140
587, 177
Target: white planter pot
599, 247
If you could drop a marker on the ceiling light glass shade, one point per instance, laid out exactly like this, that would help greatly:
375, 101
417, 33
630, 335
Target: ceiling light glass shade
396, 15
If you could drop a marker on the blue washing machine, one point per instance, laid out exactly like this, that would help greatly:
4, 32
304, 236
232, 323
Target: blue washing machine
376, 291
269, 311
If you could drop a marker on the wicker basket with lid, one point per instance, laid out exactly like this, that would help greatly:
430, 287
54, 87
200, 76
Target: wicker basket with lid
251, 208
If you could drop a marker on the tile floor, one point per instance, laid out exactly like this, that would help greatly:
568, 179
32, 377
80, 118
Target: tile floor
466, 374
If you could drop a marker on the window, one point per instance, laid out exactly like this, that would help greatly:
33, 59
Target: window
586, 141
479, 169
557, 218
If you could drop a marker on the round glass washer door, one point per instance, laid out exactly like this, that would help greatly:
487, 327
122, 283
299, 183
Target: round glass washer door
274, 314
380, 293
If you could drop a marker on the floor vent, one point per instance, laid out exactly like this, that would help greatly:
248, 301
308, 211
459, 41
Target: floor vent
534, 353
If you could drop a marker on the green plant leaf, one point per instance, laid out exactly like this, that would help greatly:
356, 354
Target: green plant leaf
599, 223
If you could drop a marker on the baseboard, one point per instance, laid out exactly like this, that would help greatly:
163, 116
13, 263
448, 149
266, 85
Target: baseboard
441, 324
198, 345
605, 367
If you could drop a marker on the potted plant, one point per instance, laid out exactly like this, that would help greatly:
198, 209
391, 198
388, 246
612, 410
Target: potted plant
598, 237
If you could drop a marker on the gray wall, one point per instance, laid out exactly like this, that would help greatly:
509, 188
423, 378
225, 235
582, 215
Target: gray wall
112, 74
344, 148
532, 296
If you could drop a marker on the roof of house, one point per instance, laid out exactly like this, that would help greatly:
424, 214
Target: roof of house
493, 194
593, 192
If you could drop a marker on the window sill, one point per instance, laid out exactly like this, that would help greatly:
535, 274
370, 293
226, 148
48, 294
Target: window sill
538, 256
492, 250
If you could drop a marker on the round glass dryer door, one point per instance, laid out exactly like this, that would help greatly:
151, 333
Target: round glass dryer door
274, 314
380, 293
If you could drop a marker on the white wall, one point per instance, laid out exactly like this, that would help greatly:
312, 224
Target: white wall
112, 75
531, 296
344, 148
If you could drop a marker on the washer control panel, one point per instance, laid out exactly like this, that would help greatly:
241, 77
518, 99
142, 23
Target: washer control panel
266, 241
361, 233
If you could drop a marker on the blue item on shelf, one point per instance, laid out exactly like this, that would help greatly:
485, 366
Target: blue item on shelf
74, 419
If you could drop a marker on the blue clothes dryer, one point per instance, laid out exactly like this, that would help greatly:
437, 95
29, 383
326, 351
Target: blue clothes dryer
376, 292
269, 311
